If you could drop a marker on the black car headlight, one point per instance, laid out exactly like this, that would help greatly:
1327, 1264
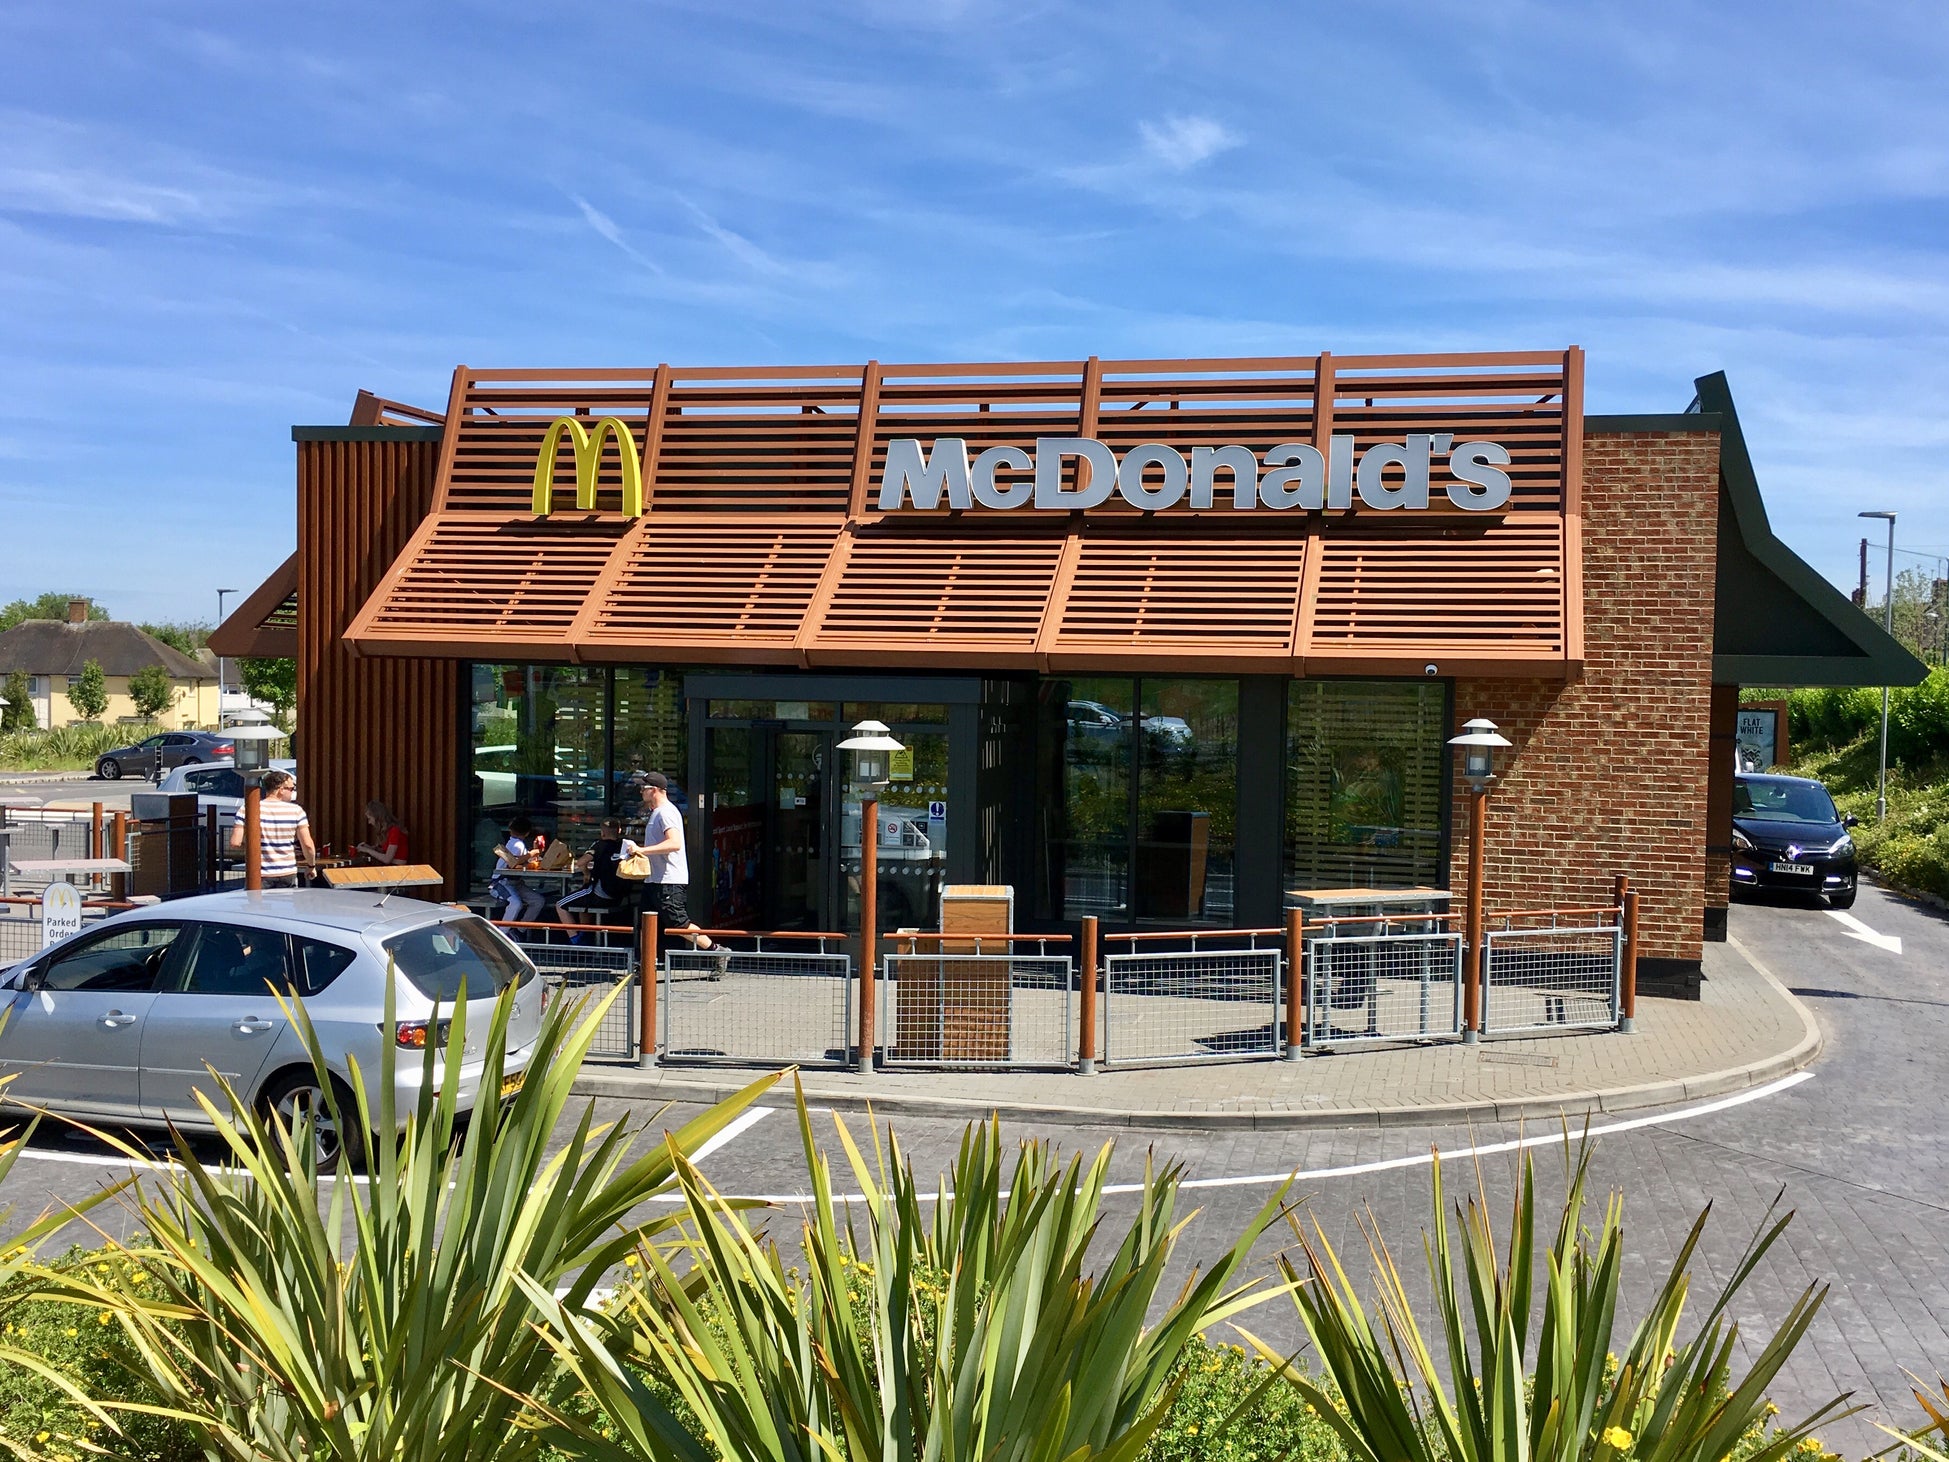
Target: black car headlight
1844, 845
1741, 843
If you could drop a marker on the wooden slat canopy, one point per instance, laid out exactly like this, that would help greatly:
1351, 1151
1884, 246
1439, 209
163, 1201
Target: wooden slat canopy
761, 540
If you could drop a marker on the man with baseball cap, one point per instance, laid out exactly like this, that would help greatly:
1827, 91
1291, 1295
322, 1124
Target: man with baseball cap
665, 892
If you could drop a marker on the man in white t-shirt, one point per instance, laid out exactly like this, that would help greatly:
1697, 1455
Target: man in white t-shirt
666, 892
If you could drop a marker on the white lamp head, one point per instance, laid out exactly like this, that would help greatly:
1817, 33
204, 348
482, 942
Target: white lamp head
872, 750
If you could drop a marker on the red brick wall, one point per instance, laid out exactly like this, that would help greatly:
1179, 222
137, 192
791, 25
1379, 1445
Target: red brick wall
1608, 773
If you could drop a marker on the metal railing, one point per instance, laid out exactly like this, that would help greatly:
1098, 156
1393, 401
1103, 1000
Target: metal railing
588, 960
1394, 977
772, 1000
20, 924
1162, 1006
974, 1000
1552, 970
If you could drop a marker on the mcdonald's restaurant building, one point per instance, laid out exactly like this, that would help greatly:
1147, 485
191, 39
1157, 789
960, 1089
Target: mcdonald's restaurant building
1164, 640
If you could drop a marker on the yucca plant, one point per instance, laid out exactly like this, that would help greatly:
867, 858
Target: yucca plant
1514, 1376
382, 1316
979, 1333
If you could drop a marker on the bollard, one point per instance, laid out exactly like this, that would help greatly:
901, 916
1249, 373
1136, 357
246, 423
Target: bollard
646, 987
1295, 966
214, 843
869, 915
118, 884
1628, 994
253, 838
1086, 967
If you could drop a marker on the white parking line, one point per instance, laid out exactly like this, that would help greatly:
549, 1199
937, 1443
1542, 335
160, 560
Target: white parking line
737, 1127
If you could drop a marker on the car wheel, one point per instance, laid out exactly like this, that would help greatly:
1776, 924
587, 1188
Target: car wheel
190, 761
290, 1097
109, 769
1844, 899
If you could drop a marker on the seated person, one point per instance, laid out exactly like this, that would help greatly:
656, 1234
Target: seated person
608, 897
385, 838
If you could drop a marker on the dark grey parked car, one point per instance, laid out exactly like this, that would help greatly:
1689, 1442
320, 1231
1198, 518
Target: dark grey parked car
163, 752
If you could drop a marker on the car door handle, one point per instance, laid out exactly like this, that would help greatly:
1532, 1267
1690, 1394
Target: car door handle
250, 1025
114, 1019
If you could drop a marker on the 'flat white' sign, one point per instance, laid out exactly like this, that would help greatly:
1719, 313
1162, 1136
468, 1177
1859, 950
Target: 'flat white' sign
60, 913
1153, 476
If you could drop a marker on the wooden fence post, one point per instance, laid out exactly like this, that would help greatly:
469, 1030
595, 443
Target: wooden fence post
253, 837
1086, 969
1295, 968
646, 982
118, 884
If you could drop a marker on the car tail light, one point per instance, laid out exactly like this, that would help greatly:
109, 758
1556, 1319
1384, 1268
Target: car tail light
224, 750
414, 1035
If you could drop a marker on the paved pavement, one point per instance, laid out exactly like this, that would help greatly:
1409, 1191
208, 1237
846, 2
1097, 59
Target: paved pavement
1856, 1141
1746, 1030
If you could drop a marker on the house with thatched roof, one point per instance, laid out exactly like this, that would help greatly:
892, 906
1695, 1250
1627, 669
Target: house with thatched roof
52, 652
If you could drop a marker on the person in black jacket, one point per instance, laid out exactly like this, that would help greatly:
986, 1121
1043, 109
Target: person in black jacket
608, 898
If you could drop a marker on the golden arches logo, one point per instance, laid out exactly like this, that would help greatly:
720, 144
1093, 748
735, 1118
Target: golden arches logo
588, 463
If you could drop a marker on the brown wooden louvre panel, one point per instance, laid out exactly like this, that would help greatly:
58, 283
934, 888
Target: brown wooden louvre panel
734, 586
955, 597
1494, 592
471, 579
1150, 591
762, 540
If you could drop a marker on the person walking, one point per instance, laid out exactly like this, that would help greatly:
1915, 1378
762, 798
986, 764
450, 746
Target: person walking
282, 831
666, 892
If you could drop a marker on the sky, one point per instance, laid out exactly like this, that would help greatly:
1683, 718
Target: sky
218, 220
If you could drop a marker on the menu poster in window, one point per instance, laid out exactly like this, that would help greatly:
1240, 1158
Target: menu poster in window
900, 764
1758, 738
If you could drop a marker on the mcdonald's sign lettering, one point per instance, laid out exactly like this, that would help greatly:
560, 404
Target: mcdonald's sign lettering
588, 464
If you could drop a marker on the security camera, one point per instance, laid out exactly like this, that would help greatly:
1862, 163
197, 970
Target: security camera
1431, 669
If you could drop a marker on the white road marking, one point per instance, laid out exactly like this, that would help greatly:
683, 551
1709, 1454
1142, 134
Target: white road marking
1857, 930
737, 1127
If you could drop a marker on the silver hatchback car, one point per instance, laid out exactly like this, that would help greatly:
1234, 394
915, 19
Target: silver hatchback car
122, 1022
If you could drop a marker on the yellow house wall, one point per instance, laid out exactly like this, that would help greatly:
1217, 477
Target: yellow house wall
196, 704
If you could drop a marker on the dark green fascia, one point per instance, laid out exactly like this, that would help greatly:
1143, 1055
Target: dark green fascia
1653, 422
366, 433
1877, 657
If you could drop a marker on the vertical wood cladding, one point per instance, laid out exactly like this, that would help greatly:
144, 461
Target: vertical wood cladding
1608, 774
368, 728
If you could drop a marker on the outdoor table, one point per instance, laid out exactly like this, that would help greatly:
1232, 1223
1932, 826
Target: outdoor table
1353, 979
64, 868
384, 876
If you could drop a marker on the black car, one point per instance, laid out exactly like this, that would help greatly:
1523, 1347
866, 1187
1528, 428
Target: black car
1788, 836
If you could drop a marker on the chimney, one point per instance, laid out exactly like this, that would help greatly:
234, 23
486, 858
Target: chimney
77, 611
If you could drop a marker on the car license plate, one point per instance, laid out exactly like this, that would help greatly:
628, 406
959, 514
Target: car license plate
512, 1084
1805, 868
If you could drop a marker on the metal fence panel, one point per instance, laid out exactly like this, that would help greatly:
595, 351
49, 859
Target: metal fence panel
1365, 988
20, 928
1551, 979
756, 1007
592, 969
1197, 1005
977, 1010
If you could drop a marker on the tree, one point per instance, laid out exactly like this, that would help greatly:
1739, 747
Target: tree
18, 712
186, 639
274, 681
89, 694
152, 690
48, 606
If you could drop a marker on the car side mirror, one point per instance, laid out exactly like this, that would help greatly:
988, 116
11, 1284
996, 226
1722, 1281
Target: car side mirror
34, 977
1850, 821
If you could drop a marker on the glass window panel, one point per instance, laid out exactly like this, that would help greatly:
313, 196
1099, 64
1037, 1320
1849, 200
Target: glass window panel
540, 740
896, 713
652, 735
914, 808
821, 711
1083, 803
1364, 783
1187, 802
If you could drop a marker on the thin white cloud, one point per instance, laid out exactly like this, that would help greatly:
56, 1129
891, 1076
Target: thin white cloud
1184, 142
607, 228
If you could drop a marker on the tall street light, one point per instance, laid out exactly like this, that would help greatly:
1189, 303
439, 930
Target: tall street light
1887, 623
220, 594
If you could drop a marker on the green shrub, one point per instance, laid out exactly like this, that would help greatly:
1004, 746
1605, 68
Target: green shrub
64, 748
17, 712
1918, 720
89, 694
87, 1347
1214, 1382
1831, 715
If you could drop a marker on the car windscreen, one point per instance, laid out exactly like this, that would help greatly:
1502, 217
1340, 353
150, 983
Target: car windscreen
439, 958
1783, 802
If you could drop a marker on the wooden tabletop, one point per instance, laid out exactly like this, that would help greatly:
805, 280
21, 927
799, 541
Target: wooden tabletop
36, 867
1307, 898
384, 875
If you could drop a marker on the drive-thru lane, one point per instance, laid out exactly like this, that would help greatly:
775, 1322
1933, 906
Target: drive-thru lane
1857, 1145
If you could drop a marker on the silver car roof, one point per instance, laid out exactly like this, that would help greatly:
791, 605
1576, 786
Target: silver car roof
354, 911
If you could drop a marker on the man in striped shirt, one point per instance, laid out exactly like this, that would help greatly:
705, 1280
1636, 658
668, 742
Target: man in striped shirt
282, 828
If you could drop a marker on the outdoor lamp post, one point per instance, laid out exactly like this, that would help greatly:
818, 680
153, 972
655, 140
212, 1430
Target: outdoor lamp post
1888, 624
872, 751
1478, 742
220, 594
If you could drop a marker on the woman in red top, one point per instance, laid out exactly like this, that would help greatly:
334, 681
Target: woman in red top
388, 844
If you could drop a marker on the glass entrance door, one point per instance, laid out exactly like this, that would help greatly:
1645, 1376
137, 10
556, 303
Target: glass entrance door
771, 864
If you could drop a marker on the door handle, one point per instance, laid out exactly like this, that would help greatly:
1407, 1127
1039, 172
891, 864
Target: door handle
114, 1019
250, 1025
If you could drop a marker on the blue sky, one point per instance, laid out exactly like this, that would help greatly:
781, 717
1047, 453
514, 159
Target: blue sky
218, 219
